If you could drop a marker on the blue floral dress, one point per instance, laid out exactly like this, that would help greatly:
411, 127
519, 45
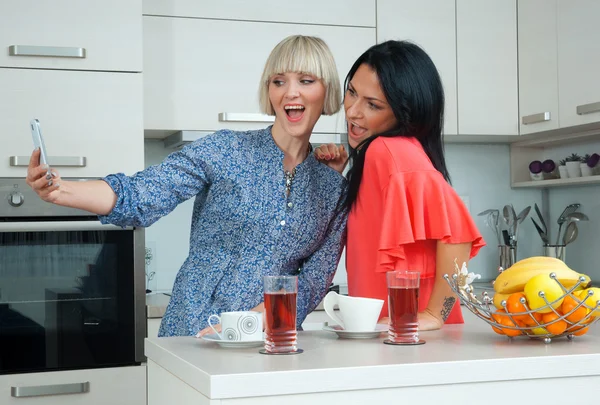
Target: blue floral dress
244, 225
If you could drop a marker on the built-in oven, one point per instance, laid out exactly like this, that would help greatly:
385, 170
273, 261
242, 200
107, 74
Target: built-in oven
72, 291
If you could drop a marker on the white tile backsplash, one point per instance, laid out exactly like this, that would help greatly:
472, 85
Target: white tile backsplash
479, 172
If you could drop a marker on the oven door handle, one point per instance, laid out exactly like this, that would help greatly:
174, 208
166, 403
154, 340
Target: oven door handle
57, 226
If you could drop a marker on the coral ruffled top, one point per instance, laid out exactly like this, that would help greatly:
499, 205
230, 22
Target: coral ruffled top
404, 207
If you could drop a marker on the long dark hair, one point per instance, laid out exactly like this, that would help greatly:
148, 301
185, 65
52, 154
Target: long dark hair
413, 88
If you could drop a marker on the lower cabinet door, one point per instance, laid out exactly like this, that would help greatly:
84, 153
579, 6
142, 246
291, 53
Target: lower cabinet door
106, 386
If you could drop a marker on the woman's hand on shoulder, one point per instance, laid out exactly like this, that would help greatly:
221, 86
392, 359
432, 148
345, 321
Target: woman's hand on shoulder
45, 183
332, 155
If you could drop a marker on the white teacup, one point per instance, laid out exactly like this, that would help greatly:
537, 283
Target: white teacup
239, 326
357, 314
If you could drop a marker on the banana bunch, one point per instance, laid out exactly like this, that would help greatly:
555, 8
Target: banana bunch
514, 278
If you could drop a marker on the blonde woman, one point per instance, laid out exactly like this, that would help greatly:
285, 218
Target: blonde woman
263, 204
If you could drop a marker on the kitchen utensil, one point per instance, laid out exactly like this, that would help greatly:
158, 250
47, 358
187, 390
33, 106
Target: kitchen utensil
541, 219
569, 209
491, 221
520, 218
541, 232
570, 233
507, 214
514, 223
507, 256
506, 238
486, 212
576, 216
523, 214
494, 218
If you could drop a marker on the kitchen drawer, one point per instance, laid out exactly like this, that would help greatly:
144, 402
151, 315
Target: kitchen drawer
114, 386
195, 69
91, 115
330, 12
110, 31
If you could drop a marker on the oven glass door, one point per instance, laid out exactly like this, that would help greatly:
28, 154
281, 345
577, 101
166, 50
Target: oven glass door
66, 296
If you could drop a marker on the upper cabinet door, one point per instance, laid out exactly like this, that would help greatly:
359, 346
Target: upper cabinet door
355, 13
487, 67
430, 24
91, 121
538, 66
202, 74
579, 61
71, 34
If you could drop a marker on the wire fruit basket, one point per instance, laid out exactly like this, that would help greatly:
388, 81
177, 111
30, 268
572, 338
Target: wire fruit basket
529, 322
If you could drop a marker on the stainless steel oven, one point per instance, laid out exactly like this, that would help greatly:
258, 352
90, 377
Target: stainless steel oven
72, 291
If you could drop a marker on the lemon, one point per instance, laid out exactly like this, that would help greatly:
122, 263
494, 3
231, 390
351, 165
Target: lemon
591, 300
552, 291
540, 331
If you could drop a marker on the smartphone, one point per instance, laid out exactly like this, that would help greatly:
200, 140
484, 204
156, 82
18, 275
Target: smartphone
38, 142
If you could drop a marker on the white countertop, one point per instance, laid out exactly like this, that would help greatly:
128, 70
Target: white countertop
456, 354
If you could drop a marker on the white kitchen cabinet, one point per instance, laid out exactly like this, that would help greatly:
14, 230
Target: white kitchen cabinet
330, 12
153, 326
430, 24
538, 66
195, 69
91, 115
578, 62
108, 31
114, 386
486, 32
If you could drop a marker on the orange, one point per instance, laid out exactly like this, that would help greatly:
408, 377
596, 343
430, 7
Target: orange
555, 326
529, 321
569, 303
505, 321
496, 318
514, 306
582, 331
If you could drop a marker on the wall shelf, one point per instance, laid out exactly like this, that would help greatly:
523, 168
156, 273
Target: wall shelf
578, 181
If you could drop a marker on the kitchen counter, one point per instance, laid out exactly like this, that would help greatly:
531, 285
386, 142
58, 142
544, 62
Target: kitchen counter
456, 365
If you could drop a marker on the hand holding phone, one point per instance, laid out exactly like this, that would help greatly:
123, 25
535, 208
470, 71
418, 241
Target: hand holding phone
38, 142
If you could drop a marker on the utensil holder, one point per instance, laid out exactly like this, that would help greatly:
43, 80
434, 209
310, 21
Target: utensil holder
557, 251
507, 256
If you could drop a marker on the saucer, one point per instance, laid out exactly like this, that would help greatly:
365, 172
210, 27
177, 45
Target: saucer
233, 344
345, 334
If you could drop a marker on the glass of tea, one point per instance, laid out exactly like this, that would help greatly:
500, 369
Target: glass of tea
403, 305
281, 293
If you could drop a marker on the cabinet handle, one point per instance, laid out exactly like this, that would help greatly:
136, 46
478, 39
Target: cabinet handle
54, 161
588, 108
245, 117
55, 389
50, 51
535, 118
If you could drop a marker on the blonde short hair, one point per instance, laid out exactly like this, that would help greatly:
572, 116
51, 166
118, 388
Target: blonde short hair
302, 54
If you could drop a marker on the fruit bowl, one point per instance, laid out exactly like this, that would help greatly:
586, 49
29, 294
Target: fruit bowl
569, 314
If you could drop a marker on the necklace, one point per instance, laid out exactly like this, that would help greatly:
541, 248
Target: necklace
289, 179
289, 176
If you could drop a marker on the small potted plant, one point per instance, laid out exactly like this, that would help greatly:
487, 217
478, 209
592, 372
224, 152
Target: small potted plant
535, 170
592, 163
550, 170
573, 163
562, 169
585, 169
